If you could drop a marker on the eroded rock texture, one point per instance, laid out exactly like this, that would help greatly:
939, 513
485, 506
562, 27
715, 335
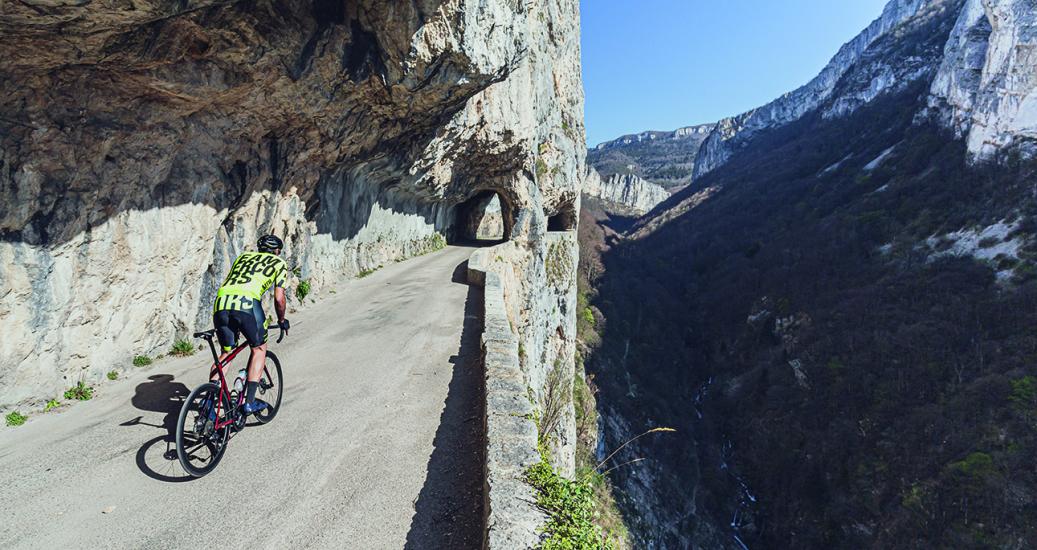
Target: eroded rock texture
626, 190
143, 145
986, 88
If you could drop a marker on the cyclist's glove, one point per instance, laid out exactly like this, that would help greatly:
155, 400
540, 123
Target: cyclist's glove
284, 324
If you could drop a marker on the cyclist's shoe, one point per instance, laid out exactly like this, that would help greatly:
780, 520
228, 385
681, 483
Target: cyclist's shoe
255, 406
207, 409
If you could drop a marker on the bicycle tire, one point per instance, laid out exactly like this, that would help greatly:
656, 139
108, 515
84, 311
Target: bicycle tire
216, 442
277, 386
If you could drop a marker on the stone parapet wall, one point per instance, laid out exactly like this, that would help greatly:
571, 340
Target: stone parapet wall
512, 519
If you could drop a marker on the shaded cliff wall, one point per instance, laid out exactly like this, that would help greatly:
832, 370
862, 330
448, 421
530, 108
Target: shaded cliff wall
141, 150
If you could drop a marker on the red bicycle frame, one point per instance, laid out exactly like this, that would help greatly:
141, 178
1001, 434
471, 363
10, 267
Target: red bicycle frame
224, 388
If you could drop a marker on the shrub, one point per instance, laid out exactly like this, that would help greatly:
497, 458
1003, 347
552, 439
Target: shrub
1024, 393
141, 360
15, 418
587, 316
435, 241
113, 375
52, 404
302, 290
182, 348
569, 505
557, 399
80, 392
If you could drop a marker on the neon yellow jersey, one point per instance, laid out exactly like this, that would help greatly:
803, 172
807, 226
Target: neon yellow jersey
252, 274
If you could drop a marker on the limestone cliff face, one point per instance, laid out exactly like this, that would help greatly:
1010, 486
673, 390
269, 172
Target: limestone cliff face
626, 190
873, 63
984, 77
142, 149
986, 88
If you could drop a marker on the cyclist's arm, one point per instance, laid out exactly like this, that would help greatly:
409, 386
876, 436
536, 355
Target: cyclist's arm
280, 303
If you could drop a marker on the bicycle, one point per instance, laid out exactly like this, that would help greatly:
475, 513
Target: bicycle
202, 440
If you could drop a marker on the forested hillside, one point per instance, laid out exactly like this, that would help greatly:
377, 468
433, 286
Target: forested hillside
844, 334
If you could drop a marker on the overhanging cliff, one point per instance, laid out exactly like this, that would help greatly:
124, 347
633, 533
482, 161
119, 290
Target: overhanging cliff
141, 149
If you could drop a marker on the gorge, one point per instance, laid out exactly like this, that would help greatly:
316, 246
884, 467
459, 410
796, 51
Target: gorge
836, 314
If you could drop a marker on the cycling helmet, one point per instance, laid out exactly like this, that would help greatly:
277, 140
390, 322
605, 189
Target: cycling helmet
269, 243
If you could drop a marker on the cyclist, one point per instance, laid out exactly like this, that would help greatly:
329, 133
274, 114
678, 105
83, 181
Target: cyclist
238, 308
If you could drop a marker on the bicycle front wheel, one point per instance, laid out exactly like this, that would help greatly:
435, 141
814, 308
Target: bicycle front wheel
199, 445
271, 388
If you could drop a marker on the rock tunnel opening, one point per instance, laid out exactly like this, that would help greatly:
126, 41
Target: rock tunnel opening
483, 218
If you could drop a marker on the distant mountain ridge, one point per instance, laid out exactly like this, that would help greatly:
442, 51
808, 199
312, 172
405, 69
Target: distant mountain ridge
685, 132
663, 158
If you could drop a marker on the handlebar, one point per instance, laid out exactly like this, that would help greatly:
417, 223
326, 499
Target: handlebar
209, 334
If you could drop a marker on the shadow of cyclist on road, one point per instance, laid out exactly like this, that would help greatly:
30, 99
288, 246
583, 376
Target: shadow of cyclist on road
162, 395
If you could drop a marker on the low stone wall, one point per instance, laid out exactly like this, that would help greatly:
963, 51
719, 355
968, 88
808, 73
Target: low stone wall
512, 519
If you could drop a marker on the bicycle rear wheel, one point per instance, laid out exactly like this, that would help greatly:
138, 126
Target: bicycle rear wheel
200, 446
271, 388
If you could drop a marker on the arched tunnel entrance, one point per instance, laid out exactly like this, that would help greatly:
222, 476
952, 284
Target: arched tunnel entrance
484, 218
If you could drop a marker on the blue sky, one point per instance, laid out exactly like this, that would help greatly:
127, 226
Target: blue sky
662, 64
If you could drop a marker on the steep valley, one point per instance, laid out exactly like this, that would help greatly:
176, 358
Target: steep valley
838, 318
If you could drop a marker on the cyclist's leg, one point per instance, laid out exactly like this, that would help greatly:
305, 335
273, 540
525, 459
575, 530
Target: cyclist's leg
254, 330
227, 334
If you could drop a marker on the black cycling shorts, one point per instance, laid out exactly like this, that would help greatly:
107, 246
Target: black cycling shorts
248, 319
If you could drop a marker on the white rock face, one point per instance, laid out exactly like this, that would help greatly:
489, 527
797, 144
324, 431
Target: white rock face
793, 105
131, 177
625, 189
986, 88
984, 83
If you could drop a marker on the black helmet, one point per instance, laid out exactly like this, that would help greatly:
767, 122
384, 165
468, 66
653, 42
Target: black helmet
269, 243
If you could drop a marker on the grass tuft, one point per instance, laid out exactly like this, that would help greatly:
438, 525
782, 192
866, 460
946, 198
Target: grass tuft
15, 418
182, 348
113, 375
302, 290
365, 272
141, 360
52, 404
80, 392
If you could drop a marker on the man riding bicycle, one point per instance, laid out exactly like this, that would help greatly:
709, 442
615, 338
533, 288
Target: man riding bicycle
238, 308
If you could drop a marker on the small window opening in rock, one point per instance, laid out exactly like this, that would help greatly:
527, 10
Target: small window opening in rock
564, 220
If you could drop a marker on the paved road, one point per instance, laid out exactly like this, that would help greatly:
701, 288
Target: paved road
376, 444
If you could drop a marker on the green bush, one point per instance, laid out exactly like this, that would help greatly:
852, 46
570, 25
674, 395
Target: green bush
1024, 393
570, 508
52, 404
141, 361
182, 348
80, 392
587, 316
302, 290
435, 241
113, 375
15, 418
